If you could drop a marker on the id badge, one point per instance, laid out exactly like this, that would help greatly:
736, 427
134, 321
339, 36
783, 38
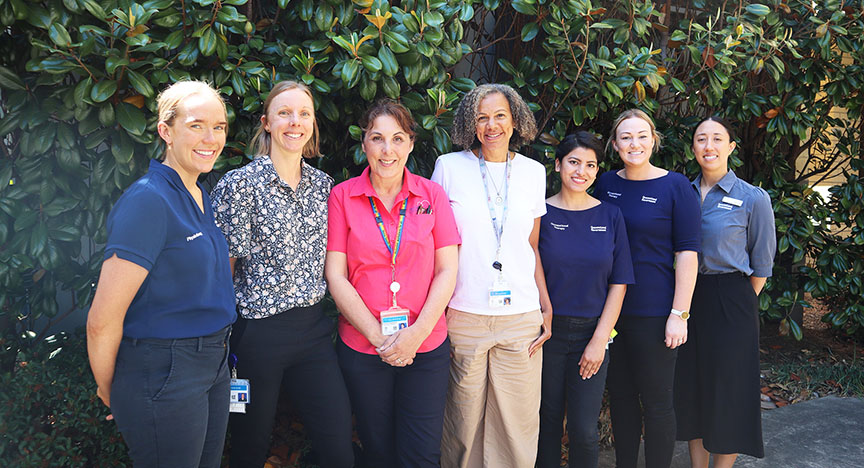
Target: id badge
499, 294
240, 392
393, 320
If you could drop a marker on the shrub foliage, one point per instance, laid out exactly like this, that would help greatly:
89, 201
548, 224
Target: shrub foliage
77, 116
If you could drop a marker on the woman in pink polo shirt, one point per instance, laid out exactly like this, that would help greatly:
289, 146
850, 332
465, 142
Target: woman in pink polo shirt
392, 254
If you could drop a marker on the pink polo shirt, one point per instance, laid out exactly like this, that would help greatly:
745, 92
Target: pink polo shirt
352, 229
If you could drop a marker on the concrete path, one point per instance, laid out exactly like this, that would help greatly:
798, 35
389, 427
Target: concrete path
823, 433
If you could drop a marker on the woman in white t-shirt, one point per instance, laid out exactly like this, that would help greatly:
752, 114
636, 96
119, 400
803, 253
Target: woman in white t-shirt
494, 318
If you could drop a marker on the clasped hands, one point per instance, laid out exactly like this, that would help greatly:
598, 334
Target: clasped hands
400, 348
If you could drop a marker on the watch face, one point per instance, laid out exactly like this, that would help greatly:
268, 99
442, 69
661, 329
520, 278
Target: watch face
685, 315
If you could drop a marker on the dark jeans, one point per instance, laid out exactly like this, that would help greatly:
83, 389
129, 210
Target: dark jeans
170, 400
400, 410
296, 344
562, 385
641, 374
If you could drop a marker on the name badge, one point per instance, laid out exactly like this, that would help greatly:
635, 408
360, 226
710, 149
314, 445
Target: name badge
240, 393
724, 206
393, 320
732, 201
500, 294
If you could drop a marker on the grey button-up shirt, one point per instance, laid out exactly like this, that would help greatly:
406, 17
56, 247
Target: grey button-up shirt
738, 231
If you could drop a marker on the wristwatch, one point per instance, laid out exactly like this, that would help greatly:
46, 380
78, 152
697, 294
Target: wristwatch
681, 313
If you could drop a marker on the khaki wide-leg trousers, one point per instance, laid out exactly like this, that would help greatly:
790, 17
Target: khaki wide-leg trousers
492, 417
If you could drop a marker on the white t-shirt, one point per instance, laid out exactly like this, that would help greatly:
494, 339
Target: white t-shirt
459, 174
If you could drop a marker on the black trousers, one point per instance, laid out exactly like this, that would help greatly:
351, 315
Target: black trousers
297, 344
641, 375
563, 386
400, 410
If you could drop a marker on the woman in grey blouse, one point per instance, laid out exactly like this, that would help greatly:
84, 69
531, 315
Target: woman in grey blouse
273, 212
717, 374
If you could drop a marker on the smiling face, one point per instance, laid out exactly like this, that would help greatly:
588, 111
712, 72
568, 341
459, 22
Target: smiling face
578, 169
290, 120
494, 123
712, 147
387, 146
196, 135
634, 142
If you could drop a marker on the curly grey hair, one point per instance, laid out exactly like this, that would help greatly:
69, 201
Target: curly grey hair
464, 131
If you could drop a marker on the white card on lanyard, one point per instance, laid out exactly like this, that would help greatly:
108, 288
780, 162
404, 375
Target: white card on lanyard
500, 294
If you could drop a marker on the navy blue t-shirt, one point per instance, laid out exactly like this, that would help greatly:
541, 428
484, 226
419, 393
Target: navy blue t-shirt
583, 252
188, 292
663, 216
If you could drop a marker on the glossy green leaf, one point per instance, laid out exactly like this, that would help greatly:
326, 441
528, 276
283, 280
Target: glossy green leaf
131, 118
103, 90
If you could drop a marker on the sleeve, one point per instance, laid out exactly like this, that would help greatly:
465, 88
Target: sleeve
622, 264
597, 190
439, 175
761, 235
337, 223
539, 208
444, 231
686, 218
232, 211
137, 228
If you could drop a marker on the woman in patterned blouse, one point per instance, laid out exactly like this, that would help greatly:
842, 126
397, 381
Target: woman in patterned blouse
273, 212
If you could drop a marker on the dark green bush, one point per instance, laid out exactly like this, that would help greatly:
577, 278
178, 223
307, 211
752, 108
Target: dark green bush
77, 124
49, 413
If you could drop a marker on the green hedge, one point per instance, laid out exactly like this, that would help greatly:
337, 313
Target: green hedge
77, 116
77, 120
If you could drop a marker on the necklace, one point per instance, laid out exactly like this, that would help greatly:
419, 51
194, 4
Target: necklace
498, 198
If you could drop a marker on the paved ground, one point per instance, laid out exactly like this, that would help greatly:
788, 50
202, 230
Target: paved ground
823, 433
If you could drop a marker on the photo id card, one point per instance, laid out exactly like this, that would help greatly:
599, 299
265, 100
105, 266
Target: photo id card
240, 392
393, 320
499, 293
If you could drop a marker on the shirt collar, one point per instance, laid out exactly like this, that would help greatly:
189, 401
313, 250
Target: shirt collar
726, 182
272, 176
363, 187
157, 167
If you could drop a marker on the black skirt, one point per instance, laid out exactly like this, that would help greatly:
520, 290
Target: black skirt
717, 374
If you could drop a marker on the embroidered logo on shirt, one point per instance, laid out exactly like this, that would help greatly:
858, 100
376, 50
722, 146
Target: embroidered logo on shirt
724, 206
598, 228
560, 227
613, 194
649, 199
193, 236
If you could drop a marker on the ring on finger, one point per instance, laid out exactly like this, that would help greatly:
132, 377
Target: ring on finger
399, 360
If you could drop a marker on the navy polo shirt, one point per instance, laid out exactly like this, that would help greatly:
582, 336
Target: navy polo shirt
188, 292
583, 252
663, 217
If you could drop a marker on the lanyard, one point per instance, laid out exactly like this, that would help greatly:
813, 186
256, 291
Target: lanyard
394, 251
498, 228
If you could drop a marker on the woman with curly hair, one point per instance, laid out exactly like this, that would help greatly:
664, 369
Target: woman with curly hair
494, 318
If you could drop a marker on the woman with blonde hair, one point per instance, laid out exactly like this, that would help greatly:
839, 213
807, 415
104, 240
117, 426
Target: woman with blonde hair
157, 332
273, 212
494, 318
661, 212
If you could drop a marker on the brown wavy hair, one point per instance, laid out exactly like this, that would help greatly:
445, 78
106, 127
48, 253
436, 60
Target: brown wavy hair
464, 132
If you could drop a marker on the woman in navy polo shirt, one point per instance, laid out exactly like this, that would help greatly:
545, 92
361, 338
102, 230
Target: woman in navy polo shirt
157, 332
662, 215
717, 376
273, 212
586, 260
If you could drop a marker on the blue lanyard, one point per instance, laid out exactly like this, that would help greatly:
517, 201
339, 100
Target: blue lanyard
498, 228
